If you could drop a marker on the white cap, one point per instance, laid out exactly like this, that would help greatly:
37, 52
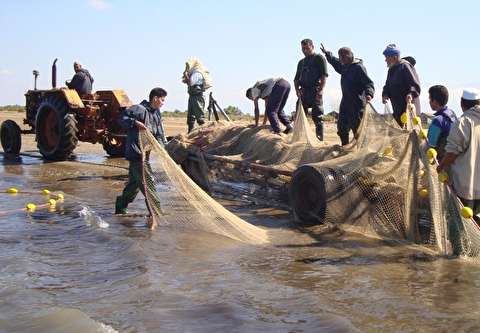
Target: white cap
471, 94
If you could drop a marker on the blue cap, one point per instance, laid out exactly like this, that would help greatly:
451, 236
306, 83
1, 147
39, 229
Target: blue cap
391, 50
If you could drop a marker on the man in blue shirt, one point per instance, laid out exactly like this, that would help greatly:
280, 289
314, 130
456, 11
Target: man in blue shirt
442, 121
141, 117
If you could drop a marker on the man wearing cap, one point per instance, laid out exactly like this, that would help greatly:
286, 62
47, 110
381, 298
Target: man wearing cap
309, 81
462, 149
402, 85
81, 81
357, 90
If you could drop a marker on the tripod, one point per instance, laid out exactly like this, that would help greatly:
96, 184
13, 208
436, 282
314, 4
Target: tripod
214, 108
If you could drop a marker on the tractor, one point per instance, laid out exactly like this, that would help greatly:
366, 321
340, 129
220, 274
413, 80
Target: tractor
60, 117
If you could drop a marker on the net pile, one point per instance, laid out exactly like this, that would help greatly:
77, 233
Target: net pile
174, 198
382, 184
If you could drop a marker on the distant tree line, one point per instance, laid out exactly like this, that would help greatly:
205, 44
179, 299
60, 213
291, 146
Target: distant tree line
232, 111
15, 107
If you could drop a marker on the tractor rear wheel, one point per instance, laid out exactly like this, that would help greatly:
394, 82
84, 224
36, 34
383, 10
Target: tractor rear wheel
10, 137
115, 147
55, 129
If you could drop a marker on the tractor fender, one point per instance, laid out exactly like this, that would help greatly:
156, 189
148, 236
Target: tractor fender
70, 95
118, 98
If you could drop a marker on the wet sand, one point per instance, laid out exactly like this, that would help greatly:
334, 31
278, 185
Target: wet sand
82, 269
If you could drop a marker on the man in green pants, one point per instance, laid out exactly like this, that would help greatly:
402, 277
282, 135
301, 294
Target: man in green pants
198, 79
143, 116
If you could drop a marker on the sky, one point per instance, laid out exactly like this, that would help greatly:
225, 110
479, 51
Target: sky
138, 45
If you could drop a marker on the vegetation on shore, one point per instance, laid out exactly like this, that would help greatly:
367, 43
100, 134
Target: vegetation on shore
14, 108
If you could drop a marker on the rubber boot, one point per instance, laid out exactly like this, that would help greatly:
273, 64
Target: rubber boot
319, 130
119, 209
190, 127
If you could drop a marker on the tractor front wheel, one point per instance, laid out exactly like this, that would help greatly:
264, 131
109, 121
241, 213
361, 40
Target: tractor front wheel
10, 136
56, 129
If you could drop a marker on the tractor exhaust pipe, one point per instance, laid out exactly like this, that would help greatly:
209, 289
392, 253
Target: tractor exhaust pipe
35, 74
54, 74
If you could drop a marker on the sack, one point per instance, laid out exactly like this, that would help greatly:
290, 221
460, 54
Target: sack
207, 80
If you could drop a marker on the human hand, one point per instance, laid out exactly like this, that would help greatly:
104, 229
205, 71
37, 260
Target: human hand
299, 93
323, 49
141, 126
368, 98
409, 98
385, 99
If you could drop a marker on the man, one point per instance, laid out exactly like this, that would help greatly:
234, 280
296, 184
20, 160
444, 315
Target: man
462, 149
81, 81
309, 82
198, 79
402, 85
275, 93
137, 118
357, 90
442, 120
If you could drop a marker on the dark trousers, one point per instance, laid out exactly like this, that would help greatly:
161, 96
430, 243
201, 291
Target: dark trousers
196, 107
276, 102
135, 183
309, 101
349, 119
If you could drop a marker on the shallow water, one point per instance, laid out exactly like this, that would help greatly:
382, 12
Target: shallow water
82, 269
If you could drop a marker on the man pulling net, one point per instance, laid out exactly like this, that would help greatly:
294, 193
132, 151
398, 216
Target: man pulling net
139, 118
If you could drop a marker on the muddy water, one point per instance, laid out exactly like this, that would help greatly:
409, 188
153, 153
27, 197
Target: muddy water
81, 269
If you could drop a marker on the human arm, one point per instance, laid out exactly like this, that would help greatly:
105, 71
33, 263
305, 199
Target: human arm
366, 83
434, 132
265, 116
411, 77
75, 82
322, 63
296, 80
256, 111
321, 85
161, 131
130, 116
457, 143
446, 162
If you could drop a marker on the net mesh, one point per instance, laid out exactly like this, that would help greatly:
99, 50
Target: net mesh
382, 184
175, 199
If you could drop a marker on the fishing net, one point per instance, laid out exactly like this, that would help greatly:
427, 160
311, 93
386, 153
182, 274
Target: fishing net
383, 184
175, 199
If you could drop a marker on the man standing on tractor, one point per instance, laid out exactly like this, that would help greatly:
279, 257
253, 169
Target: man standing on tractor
198, 79
141, 117
309, 82
81, 81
